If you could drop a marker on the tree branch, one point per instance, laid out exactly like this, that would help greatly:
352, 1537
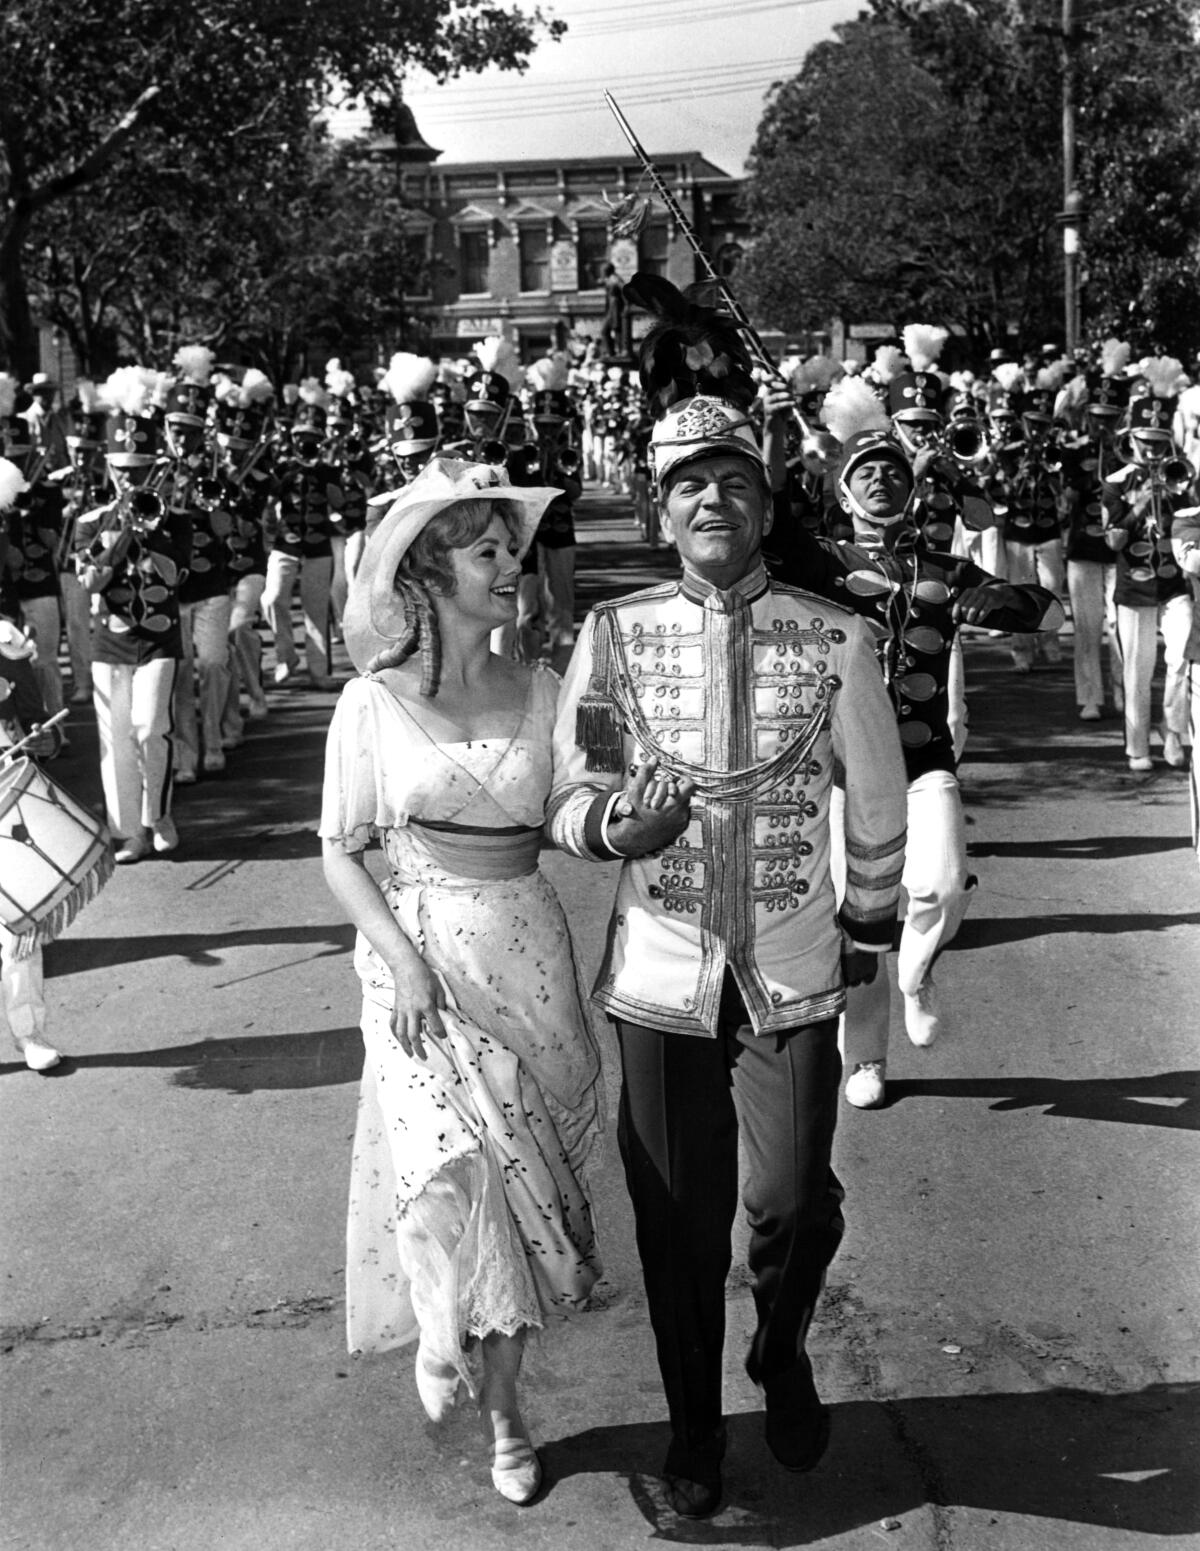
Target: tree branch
94, 163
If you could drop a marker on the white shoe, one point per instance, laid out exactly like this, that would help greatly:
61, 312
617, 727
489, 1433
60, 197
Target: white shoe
1090, 713
865, 1085
1140, 762
922, 1015
1173, 750
166, 836
282, 673
37, 1054
134, 849
257, 710
214, 763
516, 1470
437, 1385
184, 778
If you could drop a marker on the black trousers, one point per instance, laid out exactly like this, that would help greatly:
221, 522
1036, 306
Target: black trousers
684, 1101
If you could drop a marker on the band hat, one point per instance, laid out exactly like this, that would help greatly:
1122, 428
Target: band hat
701, 427
411, 427
374, 617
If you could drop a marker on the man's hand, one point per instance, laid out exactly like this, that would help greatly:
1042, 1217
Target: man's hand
652, 811
858, 968
975, 604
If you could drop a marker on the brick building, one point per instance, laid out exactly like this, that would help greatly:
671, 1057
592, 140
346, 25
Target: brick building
521, 248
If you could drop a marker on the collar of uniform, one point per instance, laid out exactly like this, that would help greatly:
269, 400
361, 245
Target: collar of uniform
873, 544
698, 589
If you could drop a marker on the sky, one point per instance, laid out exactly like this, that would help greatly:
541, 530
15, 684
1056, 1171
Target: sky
689, 75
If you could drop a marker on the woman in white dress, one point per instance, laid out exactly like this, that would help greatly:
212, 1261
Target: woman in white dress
469, 1218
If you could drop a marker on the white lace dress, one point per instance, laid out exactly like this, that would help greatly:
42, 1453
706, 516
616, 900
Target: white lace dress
468, 1208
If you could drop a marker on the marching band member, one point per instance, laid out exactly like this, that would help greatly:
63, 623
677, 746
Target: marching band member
914, 597
134, 560
307, 508
84, 487
733, 697
412, 430
347, 451
247, 488
1185, 545
1030, 480
35, 528
553, 622
1140, 501
191, 495
1091, 568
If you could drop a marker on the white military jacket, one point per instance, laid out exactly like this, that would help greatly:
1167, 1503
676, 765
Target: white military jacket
758, 694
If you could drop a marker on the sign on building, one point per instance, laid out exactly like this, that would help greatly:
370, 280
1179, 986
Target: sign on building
564, 266
623, 256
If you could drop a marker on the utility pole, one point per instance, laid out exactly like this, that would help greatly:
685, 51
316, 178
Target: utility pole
1071, 218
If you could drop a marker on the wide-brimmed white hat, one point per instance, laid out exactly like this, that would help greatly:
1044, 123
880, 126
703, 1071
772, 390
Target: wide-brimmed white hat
374, 616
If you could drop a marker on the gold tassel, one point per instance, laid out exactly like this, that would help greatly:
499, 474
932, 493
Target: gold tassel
599, 732
598, 727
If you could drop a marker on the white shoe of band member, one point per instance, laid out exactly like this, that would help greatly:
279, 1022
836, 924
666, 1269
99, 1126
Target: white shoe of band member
1090, 712
865, 1085
37, 1054
922, 1014
1173, 750
1140, 762
166, 836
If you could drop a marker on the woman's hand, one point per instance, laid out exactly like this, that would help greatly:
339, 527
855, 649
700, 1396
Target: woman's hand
417, 1009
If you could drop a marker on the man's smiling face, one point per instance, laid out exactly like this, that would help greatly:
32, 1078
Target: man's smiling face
715, 511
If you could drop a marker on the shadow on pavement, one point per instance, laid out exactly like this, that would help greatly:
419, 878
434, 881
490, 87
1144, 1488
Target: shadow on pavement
1069, 1456
1092, 848
74, 956
991, 931
323, 1058
1170, 1100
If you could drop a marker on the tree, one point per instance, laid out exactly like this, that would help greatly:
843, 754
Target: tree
911, 170
84, 90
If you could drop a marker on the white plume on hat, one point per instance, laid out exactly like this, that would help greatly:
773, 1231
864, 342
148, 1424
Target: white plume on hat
923, 344
550, 373
195, 363
291, 392
311, 392
12, 481
1053, 376
409, 377
1163, 374
888, 363
1114, 357
962, 382
851, 406
90, 400
256, 387
8, 394
1009, 375
817, 373
130, 389
338, 380
496, 354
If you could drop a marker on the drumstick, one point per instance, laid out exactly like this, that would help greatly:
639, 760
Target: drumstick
51, 721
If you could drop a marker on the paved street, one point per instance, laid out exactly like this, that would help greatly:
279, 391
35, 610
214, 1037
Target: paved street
1010, 1339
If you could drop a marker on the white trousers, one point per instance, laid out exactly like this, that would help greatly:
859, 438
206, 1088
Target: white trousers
202, 683
77, 614
22, 999
1137, 631
1194, 770
1045, 565
245, 652
45, 625
1090, 585
133, 720
939, 890
314, 576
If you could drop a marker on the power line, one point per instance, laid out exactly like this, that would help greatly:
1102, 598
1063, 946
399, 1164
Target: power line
521, 94
649, 98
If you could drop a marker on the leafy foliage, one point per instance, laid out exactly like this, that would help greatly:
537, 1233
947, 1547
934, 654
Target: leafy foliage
912, 170
129, 99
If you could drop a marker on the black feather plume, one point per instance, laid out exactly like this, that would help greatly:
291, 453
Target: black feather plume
691, 349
